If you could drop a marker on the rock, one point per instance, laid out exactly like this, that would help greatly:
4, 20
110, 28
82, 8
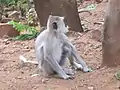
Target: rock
105, 1
6, 29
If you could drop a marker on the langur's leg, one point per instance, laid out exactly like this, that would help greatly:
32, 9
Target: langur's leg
79, 61
77, 64
40, 56
47, 69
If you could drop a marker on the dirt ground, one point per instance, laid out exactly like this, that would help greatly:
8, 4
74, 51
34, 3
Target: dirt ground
14, 76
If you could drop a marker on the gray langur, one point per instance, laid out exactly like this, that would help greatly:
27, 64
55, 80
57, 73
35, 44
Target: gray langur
53, 48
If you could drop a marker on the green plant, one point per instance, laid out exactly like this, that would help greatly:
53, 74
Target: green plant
33, 33
20, 5
13, 2
6, 2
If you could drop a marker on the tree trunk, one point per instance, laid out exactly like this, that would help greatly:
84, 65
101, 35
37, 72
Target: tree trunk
67, 8
111, 43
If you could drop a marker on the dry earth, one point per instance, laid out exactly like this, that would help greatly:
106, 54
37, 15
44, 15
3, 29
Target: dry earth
15, 77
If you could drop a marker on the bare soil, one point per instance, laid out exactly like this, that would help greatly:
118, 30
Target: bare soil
14, 76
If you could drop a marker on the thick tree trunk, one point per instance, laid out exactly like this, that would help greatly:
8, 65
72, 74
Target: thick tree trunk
111, 43
67, 8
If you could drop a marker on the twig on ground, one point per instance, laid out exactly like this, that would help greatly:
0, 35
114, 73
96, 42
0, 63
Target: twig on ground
24, 60
84, 10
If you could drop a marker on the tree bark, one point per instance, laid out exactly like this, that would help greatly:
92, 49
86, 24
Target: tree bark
67, 8
111, 42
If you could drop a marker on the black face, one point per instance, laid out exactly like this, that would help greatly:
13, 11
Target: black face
55, 25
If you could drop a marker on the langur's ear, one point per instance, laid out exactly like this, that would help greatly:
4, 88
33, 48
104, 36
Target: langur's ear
55, 26
50, 16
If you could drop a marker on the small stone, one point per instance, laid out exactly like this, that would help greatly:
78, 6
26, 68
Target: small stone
22, 72
31, 47
98, 67
44, 81
5, 36
19, 77
26, 47
34, 75
26, 50
6, 41
90, 88
72, 88
14, 46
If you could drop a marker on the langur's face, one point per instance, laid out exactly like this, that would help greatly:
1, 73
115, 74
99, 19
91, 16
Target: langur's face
57, 23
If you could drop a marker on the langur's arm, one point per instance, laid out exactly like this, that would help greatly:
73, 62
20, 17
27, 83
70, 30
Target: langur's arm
74, 53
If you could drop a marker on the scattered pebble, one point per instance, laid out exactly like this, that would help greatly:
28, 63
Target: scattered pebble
22, 72
5, 36
44, 81
26, 47
18, 77
90, 88
34, 75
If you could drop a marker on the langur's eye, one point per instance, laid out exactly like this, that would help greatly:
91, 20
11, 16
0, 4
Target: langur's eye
55, 25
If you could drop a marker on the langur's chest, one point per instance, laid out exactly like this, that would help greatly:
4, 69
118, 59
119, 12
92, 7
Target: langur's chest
57, 49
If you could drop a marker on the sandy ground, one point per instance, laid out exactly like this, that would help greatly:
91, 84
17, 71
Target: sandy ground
13, 76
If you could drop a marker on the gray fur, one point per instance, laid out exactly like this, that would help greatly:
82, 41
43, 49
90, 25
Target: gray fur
53, 47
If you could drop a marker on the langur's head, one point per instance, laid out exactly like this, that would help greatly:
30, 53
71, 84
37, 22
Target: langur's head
57, 24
